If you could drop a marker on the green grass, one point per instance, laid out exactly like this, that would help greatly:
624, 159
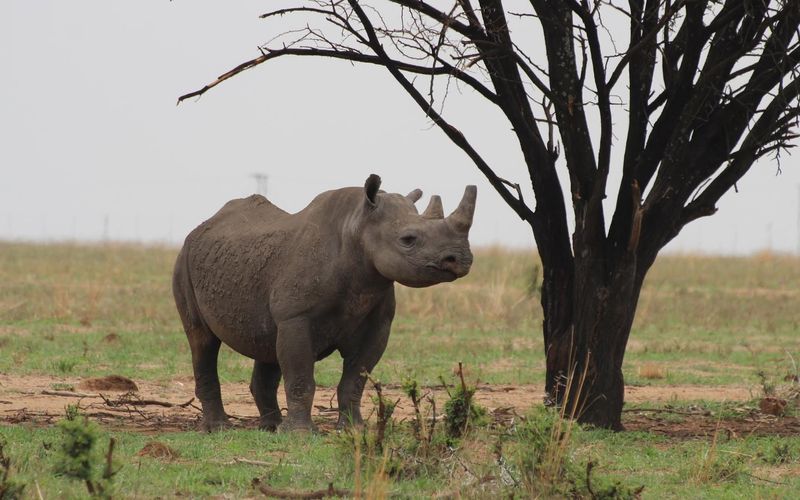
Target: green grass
76, 311
205, 464
738, 468
747, 467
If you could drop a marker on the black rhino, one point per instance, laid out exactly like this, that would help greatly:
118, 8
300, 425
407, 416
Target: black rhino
289, 289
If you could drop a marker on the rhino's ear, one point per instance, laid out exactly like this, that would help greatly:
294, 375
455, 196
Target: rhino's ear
414, 195
371, 188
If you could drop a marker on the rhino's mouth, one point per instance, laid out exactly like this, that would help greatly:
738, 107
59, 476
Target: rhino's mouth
447, 273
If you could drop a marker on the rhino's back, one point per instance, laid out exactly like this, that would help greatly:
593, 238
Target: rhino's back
230, 260
244, 234
253, 265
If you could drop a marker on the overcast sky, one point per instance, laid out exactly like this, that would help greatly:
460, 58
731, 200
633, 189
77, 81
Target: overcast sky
92, 144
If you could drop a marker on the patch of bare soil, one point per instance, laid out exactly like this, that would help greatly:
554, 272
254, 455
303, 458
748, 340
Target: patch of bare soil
703, 425
170, 406
644, 394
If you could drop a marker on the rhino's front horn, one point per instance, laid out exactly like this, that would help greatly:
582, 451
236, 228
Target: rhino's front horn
461, 218
434, 210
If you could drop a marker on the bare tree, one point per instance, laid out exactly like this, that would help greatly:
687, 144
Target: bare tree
708, 88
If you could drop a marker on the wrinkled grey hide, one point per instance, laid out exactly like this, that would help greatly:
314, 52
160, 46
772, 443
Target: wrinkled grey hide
289, 289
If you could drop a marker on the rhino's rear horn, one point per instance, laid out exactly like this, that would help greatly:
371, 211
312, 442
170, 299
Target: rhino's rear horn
414, 195
434, 210
371, 187
461, 218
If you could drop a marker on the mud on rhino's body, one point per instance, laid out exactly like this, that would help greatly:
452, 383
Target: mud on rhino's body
287, 290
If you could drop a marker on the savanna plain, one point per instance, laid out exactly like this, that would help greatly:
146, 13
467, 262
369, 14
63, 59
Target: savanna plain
92, 353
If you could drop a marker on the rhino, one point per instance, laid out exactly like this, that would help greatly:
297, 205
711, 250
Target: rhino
289, 289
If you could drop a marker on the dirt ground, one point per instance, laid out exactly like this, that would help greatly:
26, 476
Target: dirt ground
155, 408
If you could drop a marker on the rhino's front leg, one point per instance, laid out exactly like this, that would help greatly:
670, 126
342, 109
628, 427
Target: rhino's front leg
374, 337
296, 359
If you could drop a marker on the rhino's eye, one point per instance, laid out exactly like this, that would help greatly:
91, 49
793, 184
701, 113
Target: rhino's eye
408, 240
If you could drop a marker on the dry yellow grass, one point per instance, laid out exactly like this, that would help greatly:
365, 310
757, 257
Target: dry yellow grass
85, 283
652, 371
501, 291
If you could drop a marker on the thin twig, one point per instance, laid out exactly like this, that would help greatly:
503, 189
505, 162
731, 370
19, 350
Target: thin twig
763, 478
247, 461
109, 471
516, 188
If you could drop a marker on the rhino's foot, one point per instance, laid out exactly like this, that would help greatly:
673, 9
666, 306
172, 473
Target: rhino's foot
348, 422
297, 425
214, 425
269, 423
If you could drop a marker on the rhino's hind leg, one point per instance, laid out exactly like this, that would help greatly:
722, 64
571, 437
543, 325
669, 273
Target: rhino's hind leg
264, 388
205, 348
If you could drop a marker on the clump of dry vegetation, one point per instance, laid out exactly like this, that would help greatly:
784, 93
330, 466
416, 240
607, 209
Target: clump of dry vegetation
652, 371
81, 284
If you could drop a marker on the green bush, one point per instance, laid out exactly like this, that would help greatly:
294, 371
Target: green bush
79, 459
9, 488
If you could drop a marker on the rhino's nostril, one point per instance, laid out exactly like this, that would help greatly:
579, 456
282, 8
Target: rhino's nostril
450, 259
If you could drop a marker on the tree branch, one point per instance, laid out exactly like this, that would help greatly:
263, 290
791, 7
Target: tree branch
348, 55
455, 135
602, 88
474, 33
751, 149
643, 43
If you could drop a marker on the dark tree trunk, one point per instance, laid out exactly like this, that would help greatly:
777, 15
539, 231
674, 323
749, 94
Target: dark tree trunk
588, 319
589, 294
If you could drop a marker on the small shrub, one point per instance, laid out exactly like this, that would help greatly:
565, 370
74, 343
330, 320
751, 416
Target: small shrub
543, 461
64, 365
547, 467
411, 389
10, 489
767, 385
779, 454
72, 412
460, 411
78, 458
716, 467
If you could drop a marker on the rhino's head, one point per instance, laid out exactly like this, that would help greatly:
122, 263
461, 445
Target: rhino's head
416, 249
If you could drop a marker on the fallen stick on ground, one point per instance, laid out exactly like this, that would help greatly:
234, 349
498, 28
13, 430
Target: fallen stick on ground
274, 493
251, 462
69, 394
136, 401
665, 410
